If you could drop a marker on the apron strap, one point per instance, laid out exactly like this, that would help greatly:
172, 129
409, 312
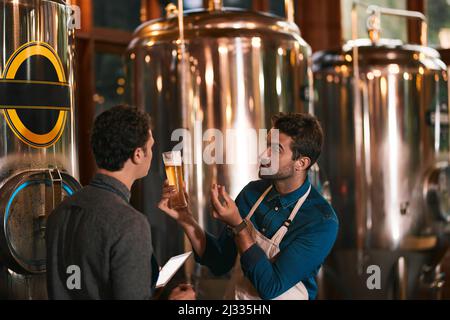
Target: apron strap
299, 205
279, 236
258, 203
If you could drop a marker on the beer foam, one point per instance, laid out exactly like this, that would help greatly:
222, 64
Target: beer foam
173, 159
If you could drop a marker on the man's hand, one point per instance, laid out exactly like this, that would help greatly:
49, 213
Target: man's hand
180, 215
225, 211
183, 292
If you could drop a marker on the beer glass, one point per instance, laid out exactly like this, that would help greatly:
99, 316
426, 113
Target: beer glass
174, 172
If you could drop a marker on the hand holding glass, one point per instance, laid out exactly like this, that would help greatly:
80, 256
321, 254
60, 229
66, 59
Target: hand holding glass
174, 171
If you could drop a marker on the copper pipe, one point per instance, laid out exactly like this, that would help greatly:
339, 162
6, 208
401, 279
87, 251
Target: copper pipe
290, 10
378, 11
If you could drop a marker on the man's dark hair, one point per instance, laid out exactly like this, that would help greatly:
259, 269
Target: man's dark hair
117, 134
306, 132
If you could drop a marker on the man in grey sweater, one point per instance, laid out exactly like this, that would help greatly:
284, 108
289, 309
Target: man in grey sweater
98, 246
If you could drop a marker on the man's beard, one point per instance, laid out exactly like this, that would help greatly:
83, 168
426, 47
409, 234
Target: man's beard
281, 174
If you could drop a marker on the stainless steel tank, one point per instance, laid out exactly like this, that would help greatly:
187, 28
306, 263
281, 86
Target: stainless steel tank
223, 69
384, 107
38, 158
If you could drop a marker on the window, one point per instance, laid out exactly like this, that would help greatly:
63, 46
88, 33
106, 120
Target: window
199, 4
117, 14
392, 27
110, 81
187, 4
277, 8
192, 4
243, 4
438, 13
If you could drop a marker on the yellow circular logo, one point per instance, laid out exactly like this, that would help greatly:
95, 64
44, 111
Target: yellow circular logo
35, 95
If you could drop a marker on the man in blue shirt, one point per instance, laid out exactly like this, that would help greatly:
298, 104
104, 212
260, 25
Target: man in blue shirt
280, 226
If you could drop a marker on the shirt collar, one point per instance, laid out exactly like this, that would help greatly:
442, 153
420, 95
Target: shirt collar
114, 185
289, 199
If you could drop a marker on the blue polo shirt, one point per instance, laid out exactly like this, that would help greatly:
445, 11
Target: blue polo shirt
308, 242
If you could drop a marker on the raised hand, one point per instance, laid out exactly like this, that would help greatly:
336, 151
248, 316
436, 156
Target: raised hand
224, 207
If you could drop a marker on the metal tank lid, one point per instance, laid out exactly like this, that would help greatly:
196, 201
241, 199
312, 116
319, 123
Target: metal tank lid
228, 22
328, 58
392, 44
385, 51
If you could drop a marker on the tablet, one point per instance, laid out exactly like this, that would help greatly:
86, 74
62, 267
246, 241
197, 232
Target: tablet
171, 268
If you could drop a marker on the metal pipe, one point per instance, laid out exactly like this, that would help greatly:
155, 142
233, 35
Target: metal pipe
406, 14
378, 11
398, 12
181, 23
290, 10
402, 279
185, 84
359, 131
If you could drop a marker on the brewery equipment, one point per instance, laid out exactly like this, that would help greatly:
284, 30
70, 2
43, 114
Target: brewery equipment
38, 157
211, 72
384, 107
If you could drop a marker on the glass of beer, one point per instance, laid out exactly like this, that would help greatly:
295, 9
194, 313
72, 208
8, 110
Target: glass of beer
174, 171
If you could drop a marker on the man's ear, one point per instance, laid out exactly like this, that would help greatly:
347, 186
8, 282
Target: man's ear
138, 156
302, 164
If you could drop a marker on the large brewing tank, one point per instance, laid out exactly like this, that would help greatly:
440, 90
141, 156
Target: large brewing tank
224, 69
387, 158
38, 158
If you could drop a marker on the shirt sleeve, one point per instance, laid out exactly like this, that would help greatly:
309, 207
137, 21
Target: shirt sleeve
297, 262
220, 254
131, 262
